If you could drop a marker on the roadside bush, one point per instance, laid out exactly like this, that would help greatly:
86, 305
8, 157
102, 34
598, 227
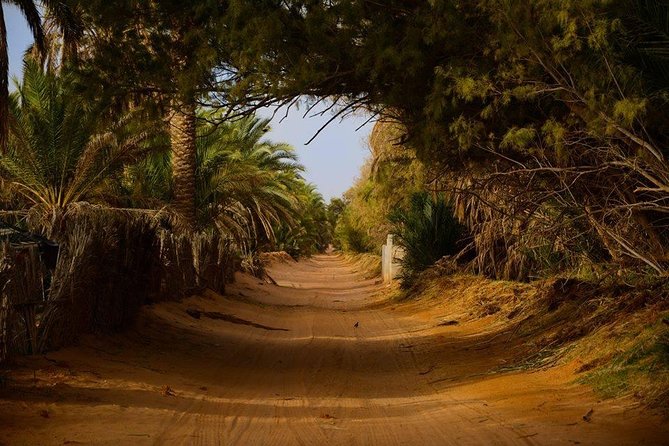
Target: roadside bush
351, 238
427, 230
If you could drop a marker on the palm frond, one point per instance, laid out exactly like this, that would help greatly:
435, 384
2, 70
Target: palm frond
56, 155
646, 40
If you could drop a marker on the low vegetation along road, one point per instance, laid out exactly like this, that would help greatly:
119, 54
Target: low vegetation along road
319, 358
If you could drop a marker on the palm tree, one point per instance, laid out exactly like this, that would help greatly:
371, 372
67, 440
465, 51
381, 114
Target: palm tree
247, 189
164, 53
244, 185
59, 152
427, 230
239, 170
312, 231
64, 18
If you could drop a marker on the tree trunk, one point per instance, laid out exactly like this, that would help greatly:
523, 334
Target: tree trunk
4, 85
184, 161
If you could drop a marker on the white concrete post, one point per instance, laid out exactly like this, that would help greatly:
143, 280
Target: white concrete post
387, 259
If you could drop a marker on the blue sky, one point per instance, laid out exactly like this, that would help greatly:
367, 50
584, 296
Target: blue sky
332, 160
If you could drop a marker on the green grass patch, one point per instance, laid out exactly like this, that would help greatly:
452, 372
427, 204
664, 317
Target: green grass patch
641, 367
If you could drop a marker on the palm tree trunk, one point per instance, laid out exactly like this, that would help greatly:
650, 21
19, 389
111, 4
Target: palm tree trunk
182, 139
4, 84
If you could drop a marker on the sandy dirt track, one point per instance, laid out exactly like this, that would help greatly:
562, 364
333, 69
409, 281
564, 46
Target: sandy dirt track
291, 368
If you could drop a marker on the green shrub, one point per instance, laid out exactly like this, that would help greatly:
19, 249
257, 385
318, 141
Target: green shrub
427, 230
350, 238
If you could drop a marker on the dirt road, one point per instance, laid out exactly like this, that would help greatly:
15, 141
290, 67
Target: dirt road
319, 359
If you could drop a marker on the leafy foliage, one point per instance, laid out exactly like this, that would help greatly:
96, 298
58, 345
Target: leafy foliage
63, 21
